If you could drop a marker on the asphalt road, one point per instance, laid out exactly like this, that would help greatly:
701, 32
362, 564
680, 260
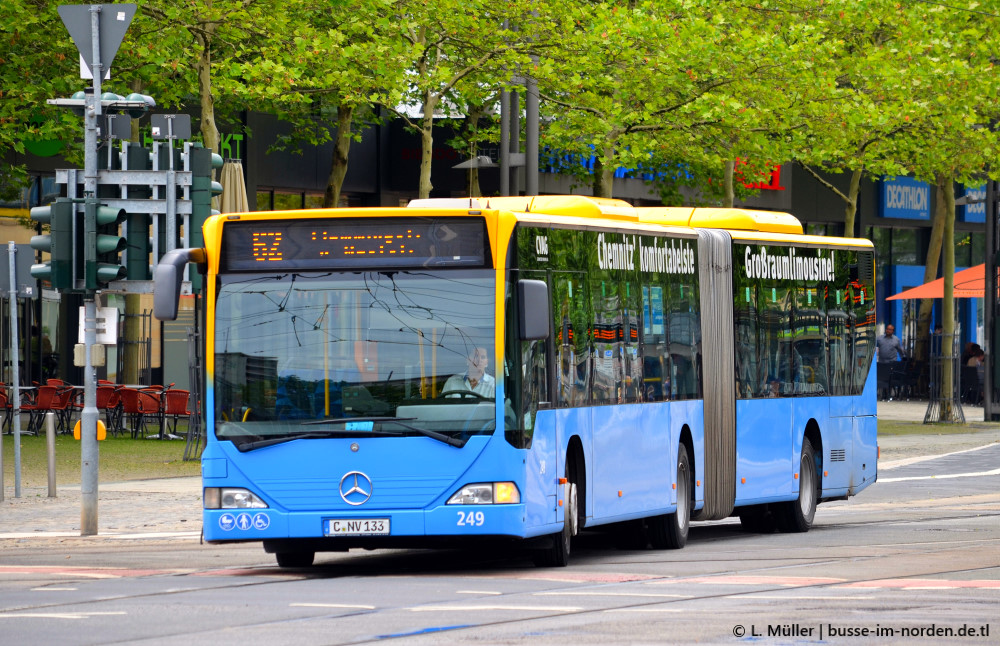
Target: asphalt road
913, 557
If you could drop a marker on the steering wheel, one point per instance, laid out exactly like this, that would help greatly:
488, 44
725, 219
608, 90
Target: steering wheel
464, 393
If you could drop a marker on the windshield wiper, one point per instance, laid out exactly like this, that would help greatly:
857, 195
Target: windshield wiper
440, 437
311, 435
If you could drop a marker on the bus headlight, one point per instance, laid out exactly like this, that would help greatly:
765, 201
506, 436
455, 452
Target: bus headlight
487, 493
232, 498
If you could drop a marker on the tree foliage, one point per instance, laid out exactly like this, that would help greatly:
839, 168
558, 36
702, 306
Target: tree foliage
693, 95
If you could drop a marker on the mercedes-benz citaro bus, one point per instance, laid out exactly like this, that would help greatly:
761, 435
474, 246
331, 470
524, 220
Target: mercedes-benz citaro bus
523, 368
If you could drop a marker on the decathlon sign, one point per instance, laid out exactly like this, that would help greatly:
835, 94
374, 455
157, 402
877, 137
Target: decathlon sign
905, 197
974, 209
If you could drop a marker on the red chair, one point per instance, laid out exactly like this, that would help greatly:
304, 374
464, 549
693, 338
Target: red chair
7, 408
62, 404
109, 400
138, 406
175, 406
151, 405
37, 408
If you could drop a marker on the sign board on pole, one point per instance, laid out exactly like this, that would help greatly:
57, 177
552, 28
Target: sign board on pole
107, 325
26, 285
114, 20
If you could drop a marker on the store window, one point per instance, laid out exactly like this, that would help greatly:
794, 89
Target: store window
277, 200
905, 249
963, 249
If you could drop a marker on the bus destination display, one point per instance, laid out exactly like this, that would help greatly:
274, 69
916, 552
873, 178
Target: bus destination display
353, 243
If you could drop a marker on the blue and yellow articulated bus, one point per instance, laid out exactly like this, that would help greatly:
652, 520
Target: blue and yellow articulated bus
520, 369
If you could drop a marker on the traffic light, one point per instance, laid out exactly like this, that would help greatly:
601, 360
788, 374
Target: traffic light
202, 162
58, 270
103, 244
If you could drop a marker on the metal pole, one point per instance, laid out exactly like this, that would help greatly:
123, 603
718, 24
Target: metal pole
531, 136
15, 351
88, 427
515, 140
504, 142
88, 419
990, 342
50, 448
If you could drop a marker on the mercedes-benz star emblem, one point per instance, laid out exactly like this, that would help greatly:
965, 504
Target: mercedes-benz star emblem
355, 488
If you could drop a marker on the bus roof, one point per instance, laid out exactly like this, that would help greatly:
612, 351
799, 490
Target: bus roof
583, 206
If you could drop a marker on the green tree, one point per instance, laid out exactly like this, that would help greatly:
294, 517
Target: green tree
450, 42
179, 51
648, 84
334, 63
952, 139
33, 39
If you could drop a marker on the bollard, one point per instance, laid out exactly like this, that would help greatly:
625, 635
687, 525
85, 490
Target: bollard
50, 443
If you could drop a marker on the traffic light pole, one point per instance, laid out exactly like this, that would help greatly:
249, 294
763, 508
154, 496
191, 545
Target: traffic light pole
89, 456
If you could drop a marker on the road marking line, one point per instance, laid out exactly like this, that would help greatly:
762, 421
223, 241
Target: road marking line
791, 581
611, 594
39, 615
490, 592
90, 573
925, 584
645, 610
577, 577
994, 472
464, 608
53, 589
331, 605
56, 615
795, 597
905, 462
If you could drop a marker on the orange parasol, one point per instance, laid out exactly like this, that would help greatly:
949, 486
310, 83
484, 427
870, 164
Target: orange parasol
969, 283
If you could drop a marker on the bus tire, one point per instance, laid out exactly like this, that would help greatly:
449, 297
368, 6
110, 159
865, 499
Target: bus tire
557, 554
796, 516
670, 531
294, 559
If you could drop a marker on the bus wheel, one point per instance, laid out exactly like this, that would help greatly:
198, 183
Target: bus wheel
797, 515
670, 531
294, 559
557, 554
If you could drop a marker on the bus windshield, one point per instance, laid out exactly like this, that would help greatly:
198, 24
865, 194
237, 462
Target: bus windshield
333, 354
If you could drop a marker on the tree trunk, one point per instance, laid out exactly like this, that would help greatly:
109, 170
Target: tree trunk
729, 190
473, 183
475, 112
851, 208
604, 176
426, 146
338, 165
133, 335
209, 131
948, 306
922, 351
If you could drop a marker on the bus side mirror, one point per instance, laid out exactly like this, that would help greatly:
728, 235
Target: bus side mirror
167, 281
533, 309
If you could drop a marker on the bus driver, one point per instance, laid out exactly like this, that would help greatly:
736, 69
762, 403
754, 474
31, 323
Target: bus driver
475, 379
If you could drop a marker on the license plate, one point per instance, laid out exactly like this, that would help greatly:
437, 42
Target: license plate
357, 527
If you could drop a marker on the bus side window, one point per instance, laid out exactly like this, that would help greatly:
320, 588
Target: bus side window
570, 313
535, 383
